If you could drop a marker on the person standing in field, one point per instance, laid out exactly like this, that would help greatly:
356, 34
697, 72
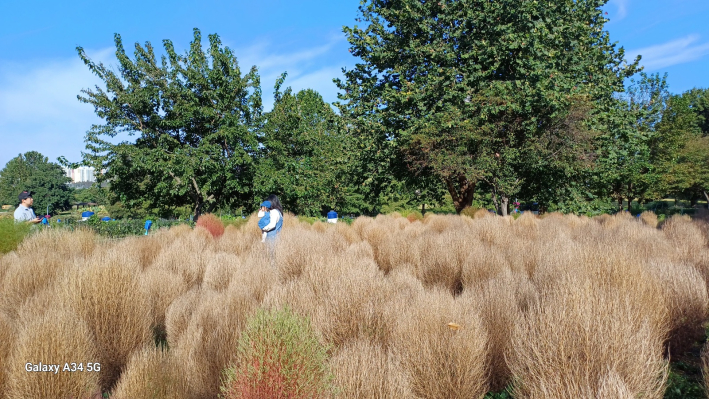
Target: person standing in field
24, 212
332, 216
273, 225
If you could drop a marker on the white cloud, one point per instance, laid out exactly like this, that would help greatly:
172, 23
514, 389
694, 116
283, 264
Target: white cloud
39, 110
320, 81
307, 68
676, 52
621, 7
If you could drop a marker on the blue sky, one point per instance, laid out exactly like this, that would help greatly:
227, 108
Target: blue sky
41, 75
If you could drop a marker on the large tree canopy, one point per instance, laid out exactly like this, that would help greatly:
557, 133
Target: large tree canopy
471, 90
305, 154
195, 118
33, 172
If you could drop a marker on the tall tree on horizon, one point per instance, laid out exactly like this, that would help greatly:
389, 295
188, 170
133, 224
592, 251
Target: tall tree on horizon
305, 154
32, 171
469, 91
195, 118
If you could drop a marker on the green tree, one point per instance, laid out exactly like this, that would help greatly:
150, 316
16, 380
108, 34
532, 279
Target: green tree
95, 193
682, 149
33, 172
691, 170
469, 90
305, 154
699, 103
195, 117
631, 147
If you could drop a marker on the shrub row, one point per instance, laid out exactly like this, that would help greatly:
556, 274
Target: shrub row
117, 228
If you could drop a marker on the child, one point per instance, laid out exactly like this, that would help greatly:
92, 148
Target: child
265, 215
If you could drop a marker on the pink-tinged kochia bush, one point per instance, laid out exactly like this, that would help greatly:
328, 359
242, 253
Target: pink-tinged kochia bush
212, 224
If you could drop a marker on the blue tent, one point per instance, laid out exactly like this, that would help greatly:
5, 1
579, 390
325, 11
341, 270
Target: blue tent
105, 219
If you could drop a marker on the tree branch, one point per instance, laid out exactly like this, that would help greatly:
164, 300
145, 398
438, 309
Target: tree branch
196, 187
179, 181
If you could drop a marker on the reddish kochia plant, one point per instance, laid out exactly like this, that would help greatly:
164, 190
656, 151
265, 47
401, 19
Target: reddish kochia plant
212, 224
279, 356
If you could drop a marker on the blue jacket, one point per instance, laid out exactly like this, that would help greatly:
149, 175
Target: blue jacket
271, 235
264, 221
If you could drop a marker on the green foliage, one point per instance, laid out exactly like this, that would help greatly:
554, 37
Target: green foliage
118, 211
279, 356
627, 164
12, 234
115, 228
195, 117
411, 214
504, 394
684, 382
304, 156
312, 219
684, 151
129, 227
236, 221
472, 90
699, 104
33, 172
95, 193
469, 211
581, 202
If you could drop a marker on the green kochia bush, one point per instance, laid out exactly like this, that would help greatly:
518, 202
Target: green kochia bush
12, 234
279, 356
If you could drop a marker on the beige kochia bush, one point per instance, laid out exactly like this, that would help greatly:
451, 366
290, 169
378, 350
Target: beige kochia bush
106, 293
685, 294
7, 338
208, 343
582, 340
560, 306
56, 337
364, 369
442, 360
152, 373
39, 261
499, 302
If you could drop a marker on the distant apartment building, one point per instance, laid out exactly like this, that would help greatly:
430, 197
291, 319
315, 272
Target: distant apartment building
83, 174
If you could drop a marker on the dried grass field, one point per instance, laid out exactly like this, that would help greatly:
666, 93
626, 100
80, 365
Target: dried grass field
444, 307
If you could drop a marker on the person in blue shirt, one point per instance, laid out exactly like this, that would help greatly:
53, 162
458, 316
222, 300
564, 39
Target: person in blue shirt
332, 216
24, 212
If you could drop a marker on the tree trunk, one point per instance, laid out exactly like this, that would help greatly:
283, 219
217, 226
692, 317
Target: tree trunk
423, 209
197, 209
504, 204
463, 195
494, 201
705, 194
620, 203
